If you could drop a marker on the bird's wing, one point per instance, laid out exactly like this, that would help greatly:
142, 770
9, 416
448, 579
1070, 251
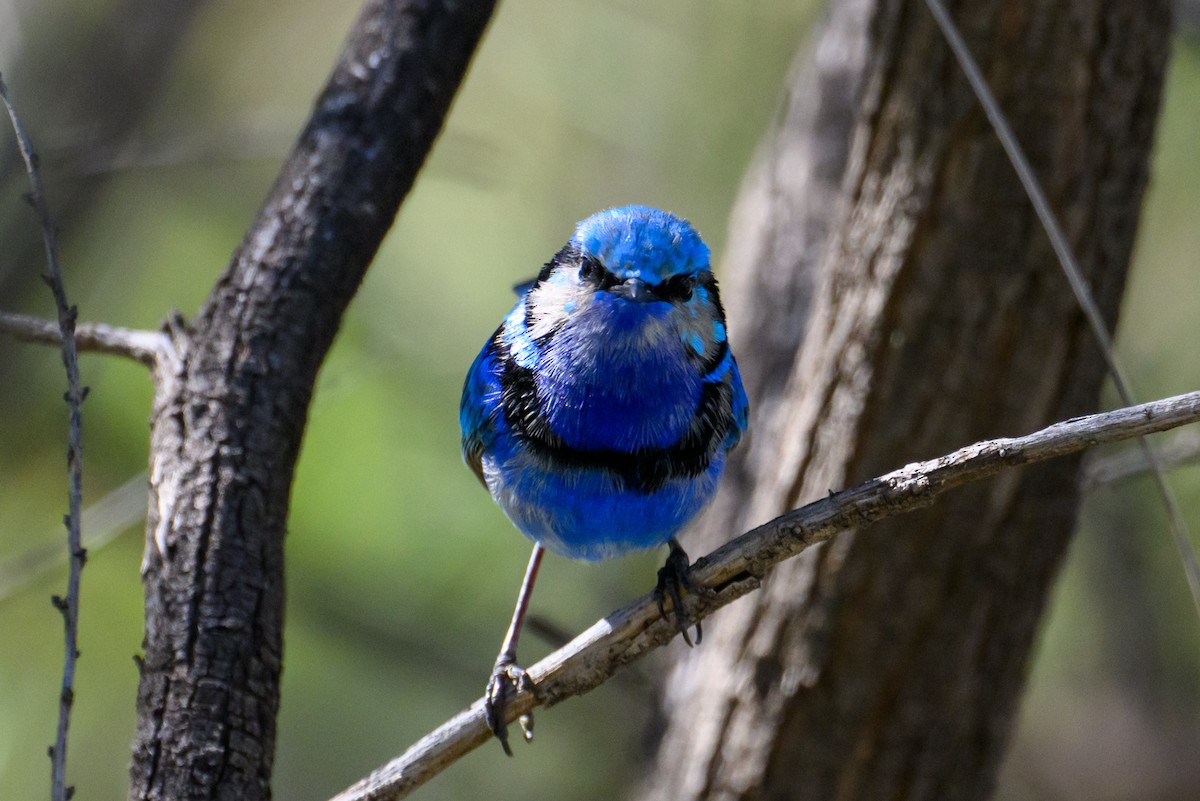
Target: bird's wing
480, 401
740, 407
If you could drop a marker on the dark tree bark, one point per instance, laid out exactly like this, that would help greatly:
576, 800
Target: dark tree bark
231, 403
889, 663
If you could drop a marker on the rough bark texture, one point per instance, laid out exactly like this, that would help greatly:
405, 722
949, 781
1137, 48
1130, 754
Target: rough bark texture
230, 406
782, 220
888, 664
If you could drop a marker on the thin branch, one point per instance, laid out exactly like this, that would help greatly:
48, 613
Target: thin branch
738, 567
1098, 471
74, 398
1070, 268
141, 346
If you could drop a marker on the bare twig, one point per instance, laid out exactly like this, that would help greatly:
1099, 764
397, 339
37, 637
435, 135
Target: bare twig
141, 346
737, 567
1070, 268
74, 397
1101, 470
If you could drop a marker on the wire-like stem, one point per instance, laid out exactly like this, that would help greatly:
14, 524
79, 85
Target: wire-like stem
69, 606
1070, 267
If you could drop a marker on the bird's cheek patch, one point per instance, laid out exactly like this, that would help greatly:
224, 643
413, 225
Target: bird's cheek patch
552, 303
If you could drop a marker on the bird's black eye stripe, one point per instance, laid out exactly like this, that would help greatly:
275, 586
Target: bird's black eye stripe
568, 255
589, 270
677, 287
593, 272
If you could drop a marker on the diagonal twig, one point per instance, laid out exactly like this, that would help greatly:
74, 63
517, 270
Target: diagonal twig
737, 568
69, 607
141, 346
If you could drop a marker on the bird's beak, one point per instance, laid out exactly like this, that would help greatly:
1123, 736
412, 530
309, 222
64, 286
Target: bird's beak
634, 289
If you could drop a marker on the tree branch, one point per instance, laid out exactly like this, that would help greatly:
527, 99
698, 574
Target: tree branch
231, 403
141, 346
738, 567
69, 607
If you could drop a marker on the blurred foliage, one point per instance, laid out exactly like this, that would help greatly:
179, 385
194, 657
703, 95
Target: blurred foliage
401, 571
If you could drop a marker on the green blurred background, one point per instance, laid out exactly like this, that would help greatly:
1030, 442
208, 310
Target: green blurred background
401, 571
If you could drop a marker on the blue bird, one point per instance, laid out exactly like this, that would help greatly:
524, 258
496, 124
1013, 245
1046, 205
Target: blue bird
600, 412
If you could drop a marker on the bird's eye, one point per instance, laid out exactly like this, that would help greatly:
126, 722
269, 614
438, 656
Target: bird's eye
593, 272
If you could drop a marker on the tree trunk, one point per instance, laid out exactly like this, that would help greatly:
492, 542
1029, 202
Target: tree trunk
230, 409
889, 664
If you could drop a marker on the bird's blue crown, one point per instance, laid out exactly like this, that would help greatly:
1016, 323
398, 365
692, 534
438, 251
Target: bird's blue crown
642, 242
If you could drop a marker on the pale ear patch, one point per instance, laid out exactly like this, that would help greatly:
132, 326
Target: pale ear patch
552, 302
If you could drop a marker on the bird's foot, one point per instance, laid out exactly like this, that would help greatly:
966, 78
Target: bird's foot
508, 679
674, 581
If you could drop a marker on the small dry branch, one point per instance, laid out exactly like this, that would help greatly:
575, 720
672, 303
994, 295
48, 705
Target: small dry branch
69, 606
141, 346
737, 567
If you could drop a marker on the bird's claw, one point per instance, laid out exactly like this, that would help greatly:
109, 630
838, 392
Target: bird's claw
675, 580
507, 679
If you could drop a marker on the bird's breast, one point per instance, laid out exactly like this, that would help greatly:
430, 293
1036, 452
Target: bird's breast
618, 389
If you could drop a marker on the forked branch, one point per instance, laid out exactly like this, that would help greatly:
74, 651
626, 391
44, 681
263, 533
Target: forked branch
737, 568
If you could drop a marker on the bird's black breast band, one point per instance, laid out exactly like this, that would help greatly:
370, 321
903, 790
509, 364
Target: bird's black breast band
644, 470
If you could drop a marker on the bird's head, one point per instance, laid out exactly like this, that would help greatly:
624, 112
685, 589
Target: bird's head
629, 268
640, 253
